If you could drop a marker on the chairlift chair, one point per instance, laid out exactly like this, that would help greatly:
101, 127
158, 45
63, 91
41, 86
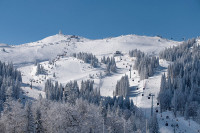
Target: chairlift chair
177, 125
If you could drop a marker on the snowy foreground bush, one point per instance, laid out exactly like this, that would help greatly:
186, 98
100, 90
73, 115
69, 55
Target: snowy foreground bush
57, 117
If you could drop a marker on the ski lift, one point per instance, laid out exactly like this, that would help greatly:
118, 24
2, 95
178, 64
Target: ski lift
166, 124
142, 94
156, 111
148, 97
157, 104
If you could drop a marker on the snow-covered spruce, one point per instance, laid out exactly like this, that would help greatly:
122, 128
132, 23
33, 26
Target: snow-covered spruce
40, 70
122, 87
110, 64
10, 83
183, 50
144, 63
87, 58
180, 88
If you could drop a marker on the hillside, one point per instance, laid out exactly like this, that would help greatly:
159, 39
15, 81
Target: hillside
59, 44
65, 68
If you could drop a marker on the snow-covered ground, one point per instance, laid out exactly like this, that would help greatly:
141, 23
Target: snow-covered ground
59, 44
66, 68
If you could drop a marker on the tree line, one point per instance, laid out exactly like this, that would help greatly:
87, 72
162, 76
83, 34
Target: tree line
87, 58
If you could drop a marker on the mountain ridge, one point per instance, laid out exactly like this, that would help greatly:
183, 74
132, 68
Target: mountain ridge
52, 46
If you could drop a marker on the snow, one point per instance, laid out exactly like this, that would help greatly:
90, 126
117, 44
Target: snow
52, 46
183, 126
66, 68
198, 41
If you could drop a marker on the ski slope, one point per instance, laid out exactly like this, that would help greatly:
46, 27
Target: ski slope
67, 68
50, 47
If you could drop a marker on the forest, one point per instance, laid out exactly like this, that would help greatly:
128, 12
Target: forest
180, 88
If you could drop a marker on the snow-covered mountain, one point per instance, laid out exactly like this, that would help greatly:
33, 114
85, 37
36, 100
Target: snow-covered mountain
60, 47
66, 68
58, 44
